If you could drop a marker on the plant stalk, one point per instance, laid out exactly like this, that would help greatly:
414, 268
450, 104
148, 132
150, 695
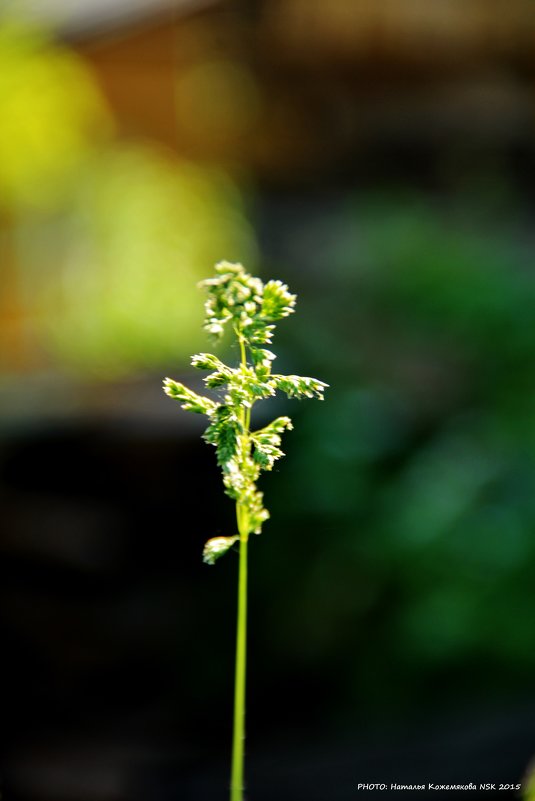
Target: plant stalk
238, 740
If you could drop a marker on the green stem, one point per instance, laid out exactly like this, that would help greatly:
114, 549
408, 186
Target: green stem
238, 739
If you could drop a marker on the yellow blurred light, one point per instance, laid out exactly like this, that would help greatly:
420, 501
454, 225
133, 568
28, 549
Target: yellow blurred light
50, 114
145, 230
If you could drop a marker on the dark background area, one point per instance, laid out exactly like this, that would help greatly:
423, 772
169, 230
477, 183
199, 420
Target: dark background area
381, 161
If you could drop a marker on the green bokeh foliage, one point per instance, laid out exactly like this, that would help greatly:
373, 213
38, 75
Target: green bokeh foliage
410, 543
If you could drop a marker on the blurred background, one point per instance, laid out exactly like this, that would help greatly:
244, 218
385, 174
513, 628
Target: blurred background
378, 157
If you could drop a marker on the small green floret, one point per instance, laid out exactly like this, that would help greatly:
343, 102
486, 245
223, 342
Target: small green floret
190, 401
277, 302
216, 547
267, 442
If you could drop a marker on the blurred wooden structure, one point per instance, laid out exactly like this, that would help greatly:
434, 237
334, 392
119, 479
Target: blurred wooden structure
282, 87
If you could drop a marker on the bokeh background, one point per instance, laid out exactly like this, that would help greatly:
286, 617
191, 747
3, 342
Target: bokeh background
379, 157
